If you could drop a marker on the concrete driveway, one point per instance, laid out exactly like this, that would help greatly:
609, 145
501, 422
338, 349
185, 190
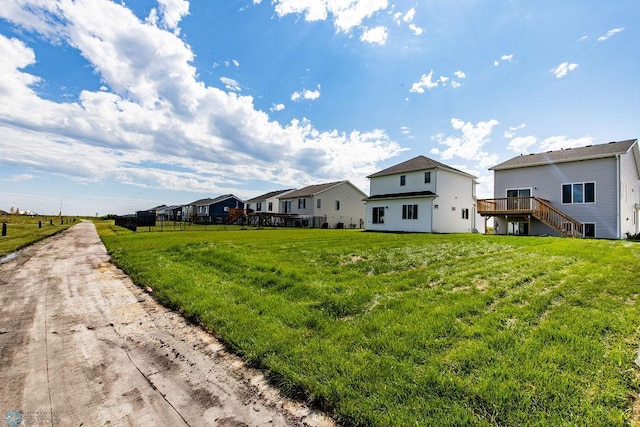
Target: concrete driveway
81, 345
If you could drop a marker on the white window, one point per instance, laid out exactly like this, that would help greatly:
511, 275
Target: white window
589, 229
270, 206
409, 211
302, 203
318, 203
403, 179
580, 192
337, 205
427, 177
378, 215
465, 213
259, 206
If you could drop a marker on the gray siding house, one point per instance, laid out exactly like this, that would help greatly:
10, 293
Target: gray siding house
591, 191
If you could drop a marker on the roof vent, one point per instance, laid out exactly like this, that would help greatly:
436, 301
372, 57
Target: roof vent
568, 148
532, 154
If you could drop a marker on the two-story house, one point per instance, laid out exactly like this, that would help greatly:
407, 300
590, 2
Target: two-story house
208, 211
422, 195
591, 191
266, 203
333, 205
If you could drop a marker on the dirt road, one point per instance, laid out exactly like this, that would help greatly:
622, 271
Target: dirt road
81, 345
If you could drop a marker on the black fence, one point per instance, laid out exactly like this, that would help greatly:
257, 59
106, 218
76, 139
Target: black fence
140, 219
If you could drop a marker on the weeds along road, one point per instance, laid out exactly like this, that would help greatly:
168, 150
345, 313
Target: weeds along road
81, 345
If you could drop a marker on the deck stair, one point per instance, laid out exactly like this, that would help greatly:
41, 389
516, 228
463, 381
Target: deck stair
540, 209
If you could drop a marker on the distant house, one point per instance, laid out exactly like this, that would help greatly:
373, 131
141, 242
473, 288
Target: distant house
333, 205
591, 191
211, 211
266, 203
422, 195
169, 213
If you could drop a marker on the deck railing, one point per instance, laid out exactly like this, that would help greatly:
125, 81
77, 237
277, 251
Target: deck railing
541, 209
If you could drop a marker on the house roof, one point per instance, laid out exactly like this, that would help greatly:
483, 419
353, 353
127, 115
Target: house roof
311, 190
268, 195
417, 164
589, 152
209, 201
157, 208
402, 195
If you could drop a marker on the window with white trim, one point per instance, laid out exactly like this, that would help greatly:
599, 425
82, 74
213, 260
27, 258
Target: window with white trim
427, 177
259, 206
579, 192
589, 229
302, 203
378, 215
318, 203
270, 206
409, 211
403, 179
465, 213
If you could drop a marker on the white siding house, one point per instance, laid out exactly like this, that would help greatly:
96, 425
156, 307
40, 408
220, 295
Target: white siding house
336, 204
267, 203
594, 191
422, 195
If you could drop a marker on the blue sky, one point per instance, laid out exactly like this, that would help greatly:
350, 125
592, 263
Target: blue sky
112, 107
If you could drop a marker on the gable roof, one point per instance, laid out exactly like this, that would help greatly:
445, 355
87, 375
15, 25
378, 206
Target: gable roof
417, 164
209, 201
589, 152
268, 195
312, 190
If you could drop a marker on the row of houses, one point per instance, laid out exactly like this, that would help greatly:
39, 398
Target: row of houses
591, 191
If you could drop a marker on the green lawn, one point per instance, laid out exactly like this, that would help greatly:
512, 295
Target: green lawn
413, 329
23, 230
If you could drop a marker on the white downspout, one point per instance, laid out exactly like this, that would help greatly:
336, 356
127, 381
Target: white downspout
435, 190
619, 200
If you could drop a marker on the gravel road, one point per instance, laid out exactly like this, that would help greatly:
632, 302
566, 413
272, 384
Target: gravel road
81, 345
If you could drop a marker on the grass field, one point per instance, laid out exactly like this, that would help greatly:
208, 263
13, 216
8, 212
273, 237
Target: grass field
22, 230
411, 329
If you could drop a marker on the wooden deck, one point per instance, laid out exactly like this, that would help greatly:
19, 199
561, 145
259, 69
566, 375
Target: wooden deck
527, 207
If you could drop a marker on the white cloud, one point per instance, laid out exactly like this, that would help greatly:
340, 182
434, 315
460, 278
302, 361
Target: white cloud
513, 129
405, 130
20, 177
460, 74
610, 34
311, 95
469, 145
443, 80
377, 35
554, 143
563, 69
235, 62
154, 124
277, 107
424, 82
416, 30
346, 14
503, 58
455, 84
172, 13
521, 144
583, 38
231, 84
408, 17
